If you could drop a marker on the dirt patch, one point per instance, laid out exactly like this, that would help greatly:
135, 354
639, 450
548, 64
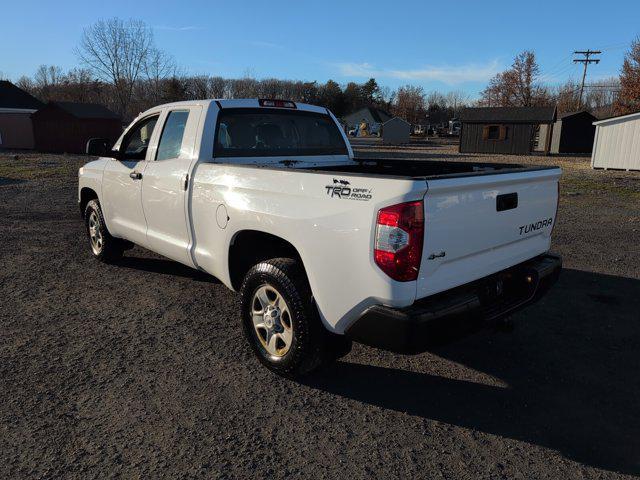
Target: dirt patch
139, 370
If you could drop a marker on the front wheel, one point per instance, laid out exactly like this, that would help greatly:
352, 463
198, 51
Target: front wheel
281, 322
103, 246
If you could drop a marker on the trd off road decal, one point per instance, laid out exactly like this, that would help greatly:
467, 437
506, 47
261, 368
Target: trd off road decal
536, 226
343, 189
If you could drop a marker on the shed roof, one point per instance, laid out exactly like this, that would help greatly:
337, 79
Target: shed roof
621, 118
575, 114
377, 114
86, 110
508, 115
14, 97
395, 120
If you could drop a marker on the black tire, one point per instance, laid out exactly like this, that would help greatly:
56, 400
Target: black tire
312, 345
110, 248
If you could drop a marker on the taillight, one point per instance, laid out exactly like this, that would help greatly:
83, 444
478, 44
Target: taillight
399, 237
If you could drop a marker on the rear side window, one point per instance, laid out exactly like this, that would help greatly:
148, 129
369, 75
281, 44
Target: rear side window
172, 133
260, 132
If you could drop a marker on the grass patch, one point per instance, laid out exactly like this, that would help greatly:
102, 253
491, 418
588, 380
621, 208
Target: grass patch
627, 188
31, 167
30, 172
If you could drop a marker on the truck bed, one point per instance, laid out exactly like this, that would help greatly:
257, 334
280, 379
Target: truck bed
425, 169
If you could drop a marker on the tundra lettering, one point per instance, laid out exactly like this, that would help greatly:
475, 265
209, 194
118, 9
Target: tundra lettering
536, 226
233, 188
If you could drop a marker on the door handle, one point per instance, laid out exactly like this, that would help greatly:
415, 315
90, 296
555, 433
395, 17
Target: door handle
135, 175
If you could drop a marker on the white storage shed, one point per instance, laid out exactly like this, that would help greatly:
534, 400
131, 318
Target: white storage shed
617, 143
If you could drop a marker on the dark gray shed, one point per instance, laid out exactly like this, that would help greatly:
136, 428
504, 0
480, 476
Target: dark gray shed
573, 133
396, 131
503, 130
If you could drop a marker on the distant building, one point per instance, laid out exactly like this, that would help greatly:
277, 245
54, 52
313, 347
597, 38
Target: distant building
572, 133
396, 131
16, 107
373, 117
617, 143
505, 130
66, 126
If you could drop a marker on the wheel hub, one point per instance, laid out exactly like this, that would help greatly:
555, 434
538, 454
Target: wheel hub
95, 236
272, 317
272, 320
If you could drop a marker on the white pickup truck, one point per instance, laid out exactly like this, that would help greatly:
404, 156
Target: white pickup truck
324, 247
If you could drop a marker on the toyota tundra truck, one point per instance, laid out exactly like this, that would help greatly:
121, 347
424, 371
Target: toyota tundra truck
324, 247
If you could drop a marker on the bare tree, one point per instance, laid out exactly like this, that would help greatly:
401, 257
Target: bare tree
409, 104
158, 65
117, 52
518, 86
26, 84
567, 96
217, 87
524, 76
603, 98
46, 81
457, 99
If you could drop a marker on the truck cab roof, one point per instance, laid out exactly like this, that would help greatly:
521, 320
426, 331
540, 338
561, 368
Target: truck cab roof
242, 103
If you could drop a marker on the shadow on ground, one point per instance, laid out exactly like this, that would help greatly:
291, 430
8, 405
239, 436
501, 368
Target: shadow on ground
10, 181
571, 369
165, 267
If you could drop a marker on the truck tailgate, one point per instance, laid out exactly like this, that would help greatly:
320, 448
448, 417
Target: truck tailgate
479, 225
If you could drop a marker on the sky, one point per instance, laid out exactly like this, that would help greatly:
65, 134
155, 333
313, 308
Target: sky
441, 46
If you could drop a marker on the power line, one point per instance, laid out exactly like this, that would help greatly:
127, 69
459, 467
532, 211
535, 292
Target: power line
585, 61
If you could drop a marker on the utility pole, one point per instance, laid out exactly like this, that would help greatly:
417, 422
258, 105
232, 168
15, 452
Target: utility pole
586, 61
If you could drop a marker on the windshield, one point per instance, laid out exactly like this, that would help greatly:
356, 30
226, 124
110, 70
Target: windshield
257, 132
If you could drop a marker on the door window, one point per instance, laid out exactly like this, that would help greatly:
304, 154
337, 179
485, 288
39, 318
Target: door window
172, 134
137, 140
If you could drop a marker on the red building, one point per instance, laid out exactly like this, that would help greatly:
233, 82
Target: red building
65, 127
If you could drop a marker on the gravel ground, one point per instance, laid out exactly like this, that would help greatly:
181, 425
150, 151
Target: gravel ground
139, 370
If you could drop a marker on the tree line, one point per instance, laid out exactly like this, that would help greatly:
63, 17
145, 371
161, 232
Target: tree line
123, 69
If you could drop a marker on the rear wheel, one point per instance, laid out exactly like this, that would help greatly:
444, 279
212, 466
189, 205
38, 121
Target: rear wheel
103, 246
281, 322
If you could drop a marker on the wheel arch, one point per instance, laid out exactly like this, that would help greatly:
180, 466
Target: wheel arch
86, 195
249, 247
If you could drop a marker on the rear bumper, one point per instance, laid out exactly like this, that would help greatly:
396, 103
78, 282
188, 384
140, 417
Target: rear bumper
452, 314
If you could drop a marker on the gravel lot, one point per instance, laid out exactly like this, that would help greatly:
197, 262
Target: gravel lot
140, 370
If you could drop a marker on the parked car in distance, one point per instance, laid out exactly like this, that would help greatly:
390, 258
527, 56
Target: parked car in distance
323, 247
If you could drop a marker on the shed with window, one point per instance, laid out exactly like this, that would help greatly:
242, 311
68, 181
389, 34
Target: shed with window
65, 127
505, 130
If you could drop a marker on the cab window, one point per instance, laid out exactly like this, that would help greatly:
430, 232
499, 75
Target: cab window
172, 134
251, 132
137, 140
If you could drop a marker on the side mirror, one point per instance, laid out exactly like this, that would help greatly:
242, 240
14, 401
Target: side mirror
99, 147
